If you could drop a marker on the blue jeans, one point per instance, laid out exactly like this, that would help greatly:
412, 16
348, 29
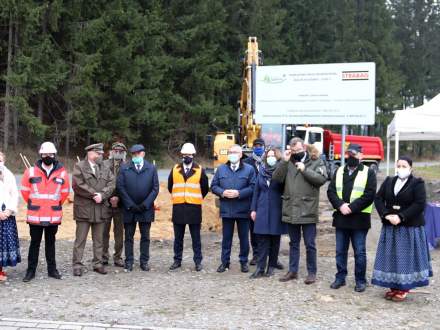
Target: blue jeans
179, 234
358, 241
228, 234
309, 235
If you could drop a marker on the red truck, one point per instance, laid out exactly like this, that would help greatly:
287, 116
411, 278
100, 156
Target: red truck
329, 144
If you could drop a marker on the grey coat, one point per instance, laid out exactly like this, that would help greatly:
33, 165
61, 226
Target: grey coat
301, 190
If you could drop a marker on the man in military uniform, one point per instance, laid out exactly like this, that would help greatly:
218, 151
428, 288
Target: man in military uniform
93, 184
117, 157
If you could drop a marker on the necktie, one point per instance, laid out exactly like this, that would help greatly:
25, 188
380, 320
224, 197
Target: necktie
186, 171
234, 167
138, 167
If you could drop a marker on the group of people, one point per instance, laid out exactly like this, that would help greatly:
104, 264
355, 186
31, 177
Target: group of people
265, 196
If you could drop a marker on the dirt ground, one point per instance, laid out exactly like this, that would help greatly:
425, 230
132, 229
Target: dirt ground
208, 300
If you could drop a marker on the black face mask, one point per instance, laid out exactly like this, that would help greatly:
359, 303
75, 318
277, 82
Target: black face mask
298, 156
187, 160
352, 161
48, 160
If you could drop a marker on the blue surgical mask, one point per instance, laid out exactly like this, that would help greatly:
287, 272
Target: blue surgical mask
259, 151
271, 161
137, 160
233, 158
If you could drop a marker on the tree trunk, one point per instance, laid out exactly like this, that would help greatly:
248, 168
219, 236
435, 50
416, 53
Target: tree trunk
8, 86
68, 128
15, 114
40, 107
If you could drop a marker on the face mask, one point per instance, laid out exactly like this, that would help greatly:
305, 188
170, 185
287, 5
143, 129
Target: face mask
403, 173
352, 161
2, 165
187, 160
259, 151
271, 161
48, 160
298, 156
99, 160
137, 160
233, 158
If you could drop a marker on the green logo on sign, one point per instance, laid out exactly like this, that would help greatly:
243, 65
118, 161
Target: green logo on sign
273, 80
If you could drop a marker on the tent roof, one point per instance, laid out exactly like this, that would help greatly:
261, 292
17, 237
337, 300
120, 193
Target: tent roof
421, 123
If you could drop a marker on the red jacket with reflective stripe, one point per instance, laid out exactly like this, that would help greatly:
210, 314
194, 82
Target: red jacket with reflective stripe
45, 195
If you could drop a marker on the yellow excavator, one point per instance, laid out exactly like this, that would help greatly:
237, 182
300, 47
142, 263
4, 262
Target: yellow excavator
248, 131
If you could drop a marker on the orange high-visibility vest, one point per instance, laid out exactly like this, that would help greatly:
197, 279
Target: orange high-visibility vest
44, 195
188, 191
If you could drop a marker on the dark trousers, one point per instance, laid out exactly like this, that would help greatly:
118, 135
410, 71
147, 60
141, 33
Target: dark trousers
179, 234
130, 229
268, 246
254, 239
228, 234
36, 233
358, 239
309, 235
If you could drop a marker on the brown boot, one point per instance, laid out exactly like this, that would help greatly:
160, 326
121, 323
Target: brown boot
311, 278
77, 272
289, 276
100, 270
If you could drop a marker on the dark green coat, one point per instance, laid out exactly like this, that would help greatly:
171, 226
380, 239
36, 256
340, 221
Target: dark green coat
301, 190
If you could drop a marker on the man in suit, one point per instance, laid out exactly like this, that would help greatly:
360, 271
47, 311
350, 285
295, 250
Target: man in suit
138, 187
188, 185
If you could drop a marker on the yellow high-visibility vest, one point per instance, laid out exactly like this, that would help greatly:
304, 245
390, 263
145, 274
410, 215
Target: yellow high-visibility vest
360, 182
188, 192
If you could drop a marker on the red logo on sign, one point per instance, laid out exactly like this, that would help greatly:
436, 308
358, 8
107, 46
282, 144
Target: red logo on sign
355, 75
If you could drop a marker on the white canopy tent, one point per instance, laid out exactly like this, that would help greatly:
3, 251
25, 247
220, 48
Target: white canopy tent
414, 124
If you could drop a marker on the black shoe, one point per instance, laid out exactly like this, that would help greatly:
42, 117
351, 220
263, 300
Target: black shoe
270, 271
128, 268
30, 274
54, 274
279, 266
145, 267
244, 268
175, 265
199, 267
222, 268
105, 263
253, 261
360, 287
257, 274
337, 284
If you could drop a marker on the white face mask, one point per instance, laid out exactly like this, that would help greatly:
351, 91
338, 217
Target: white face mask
403, 173
271, 161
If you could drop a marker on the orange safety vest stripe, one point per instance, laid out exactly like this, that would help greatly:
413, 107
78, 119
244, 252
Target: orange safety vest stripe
188, 192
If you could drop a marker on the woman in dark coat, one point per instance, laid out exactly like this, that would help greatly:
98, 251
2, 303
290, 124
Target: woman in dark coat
402, 257
266, 213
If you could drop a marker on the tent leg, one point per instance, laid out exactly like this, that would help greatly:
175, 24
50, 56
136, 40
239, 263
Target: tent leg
388, 156
396, 151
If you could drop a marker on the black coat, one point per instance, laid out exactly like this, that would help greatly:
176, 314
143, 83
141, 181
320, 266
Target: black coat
138, 188
190, 214
357, 219
409, 204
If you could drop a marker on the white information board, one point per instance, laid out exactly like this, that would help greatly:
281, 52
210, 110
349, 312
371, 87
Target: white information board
324, 94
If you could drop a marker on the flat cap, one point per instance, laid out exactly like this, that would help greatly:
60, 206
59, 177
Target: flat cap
137, 148
119, 145
97, 147
354, 148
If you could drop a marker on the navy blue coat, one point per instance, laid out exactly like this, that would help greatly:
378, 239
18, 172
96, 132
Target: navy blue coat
136, 188
267, 202
242, 180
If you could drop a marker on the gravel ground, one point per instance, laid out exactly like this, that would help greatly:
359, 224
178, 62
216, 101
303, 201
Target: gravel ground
208, 300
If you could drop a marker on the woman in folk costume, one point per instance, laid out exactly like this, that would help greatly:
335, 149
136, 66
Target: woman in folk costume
402, 257
9, 244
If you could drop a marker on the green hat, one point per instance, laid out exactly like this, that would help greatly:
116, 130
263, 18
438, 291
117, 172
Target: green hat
97, 147
119, 145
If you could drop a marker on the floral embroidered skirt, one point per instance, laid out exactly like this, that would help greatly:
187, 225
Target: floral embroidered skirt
9, 244
402, 258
